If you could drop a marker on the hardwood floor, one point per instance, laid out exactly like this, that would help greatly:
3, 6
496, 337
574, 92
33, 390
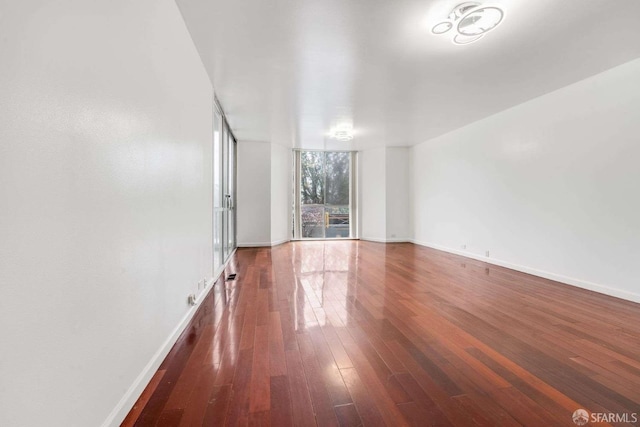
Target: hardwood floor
358, 333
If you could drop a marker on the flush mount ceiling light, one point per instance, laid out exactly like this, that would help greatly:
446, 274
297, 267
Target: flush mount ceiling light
342, 132
471, 21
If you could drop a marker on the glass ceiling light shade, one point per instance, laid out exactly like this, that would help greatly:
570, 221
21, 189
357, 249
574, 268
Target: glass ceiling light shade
342, 132
470, 21
442, 27
460, 39
480, 21
462, 9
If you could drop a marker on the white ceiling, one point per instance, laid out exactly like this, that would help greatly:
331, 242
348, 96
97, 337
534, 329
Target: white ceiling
285, 71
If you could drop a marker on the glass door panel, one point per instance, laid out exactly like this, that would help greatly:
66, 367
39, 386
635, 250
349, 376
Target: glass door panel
312, 215
337, 222
231, 237
337, 194
218, 258
312, 221
228, 171
225, 192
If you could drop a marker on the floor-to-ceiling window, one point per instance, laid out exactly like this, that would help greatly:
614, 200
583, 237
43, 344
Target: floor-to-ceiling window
224, 184
324, 194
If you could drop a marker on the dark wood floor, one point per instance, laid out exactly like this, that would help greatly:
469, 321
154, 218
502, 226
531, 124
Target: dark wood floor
351, 333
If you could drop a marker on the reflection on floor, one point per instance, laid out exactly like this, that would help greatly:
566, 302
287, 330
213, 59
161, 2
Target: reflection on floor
350, 333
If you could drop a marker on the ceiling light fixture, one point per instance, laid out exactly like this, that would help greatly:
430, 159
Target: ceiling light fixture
342, 132
471, 21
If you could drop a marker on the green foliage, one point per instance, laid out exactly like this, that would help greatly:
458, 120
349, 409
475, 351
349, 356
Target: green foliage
312, 177
318, 188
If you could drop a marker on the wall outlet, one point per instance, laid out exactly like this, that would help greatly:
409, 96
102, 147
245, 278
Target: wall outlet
192, 299
464, 246
487, 254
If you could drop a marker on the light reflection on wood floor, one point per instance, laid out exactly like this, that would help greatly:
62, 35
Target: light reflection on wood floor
360, 333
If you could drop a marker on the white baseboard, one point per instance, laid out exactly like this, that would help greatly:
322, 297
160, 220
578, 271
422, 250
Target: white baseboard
280, 242
254, 245
606, 290
125, 404
373, 239
133, 393
262, 244
383, 240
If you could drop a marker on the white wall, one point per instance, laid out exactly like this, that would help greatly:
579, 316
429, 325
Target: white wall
373, 194
398, 224
105, 202
281, 182
264, 194
549, 186
384, 194
254, 194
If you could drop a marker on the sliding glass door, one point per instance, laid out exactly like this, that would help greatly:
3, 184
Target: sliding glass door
229, 223
218, 209
324, 189
224, 183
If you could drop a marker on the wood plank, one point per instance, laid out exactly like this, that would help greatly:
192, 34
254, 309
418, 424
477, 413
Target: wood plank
216, 412
348, 415
181, 393
170, 418
260, 385
238, 412
300, 399
331, 376
277, 360
281, 413
199, 400
322, 406
365, 404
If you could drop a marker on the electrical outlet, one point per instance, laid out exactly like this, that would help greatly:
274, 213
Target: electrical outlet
191, 299
464, 246
487, 254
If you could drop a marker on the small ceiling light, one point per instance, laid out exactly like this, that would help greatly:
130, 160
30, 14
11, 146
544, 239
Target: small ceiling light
471, 21
342, 132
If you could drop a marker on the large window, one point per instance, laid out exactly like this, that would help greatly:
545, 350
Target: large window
323, 199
